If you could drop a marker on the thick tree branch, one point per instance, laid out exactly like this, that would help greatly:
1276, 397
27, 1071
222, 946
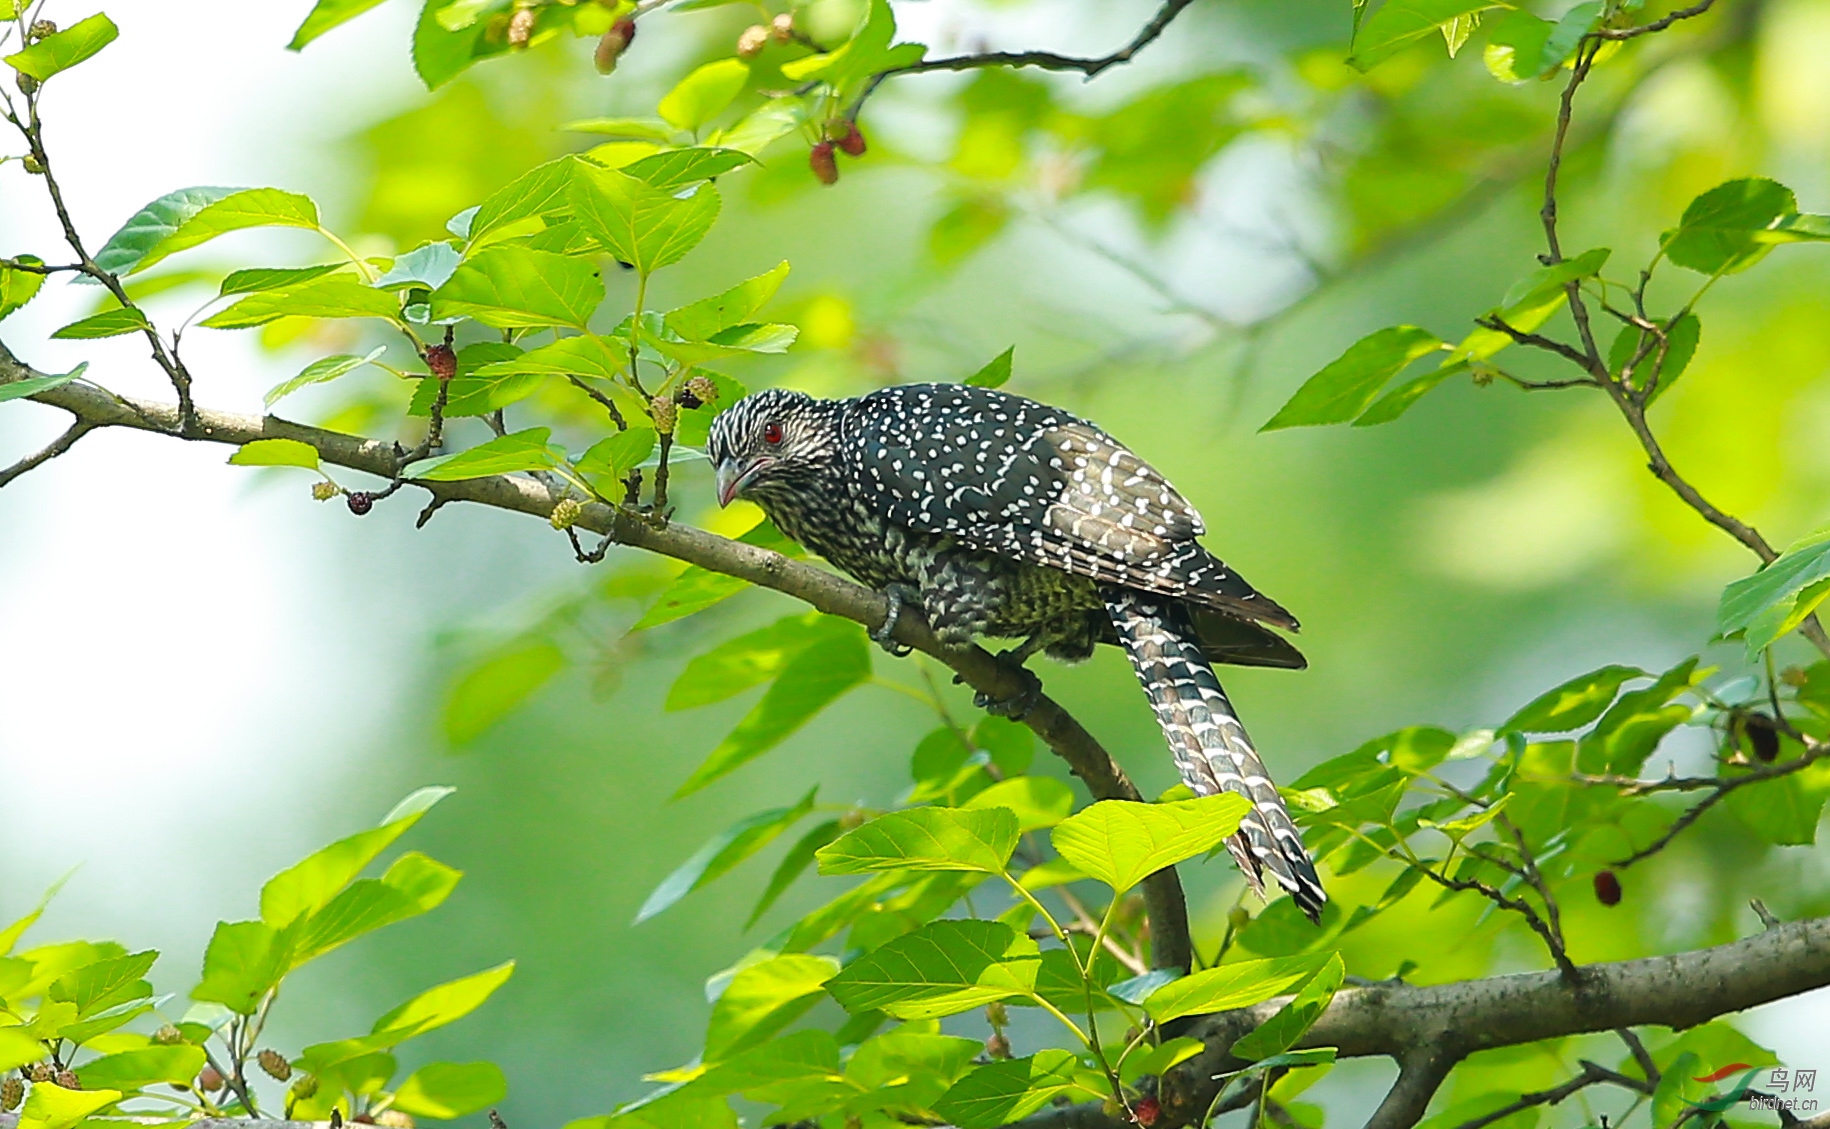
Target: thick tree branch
829, 593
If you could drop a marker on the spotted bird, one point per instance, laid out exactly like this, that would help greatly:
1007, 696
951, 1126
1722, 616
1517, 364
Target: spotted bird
996, 515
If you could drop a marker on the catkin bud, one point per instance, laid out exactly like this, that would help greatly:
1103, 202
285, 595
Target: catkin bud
394, 1119
704, 389
824, 165
521, 27
27, 84
12, 1092
32, 164
442, 361
306, 1086
611, 46
997, 1046
40, 1071
209, 1079
565, 513
323, 492
1238, 917
997, 1014
665, 414
68, 1080
275, 1064
752, 41
40, 29
781, 28
167, 1035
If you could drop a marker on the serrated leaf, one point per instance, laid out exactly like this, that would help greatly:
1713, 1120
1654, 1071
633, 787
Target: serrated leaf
1229, 986
517, 451
248, 208
1573, 704
1400, 23
673, 169
17, 287
941, 969
722, 852
641, 225
1292, 1021
1346, 386
925, 839
996, 373
1122, 842
868, 52
1719, 232
764, 998
512, 287
53, 1107
324, 15
748, 660
413, 885
1768, 604
255, 279
321, 371
65, 49
244, 960
736, 306
1038, 801
812, 681
108, 323
309, 884
626, 129
152, 224
276, 452
1000, 1093
539, 191
430, 266
137, 1069
794, 863
447, 1003
332, 296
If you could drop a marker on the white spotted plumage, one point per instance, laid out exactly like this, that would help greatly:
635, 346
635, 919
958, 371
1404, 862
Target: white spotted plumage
1012, 518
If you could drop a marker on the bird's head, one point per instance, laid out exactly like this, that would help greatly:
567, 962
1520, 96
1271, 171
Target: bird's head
772, 438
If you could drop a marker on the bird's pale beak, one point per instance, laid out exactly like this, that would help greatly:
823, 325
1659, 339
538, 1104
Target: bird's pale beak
733, 476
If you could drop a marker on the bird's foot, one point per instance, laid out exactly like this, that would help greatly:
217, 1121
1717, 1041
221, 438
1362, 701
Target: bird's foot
898, 596
1018, 705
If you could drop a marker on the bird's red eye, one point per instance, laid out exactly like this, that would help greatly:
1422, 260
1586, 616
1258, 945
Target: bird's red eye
772, 432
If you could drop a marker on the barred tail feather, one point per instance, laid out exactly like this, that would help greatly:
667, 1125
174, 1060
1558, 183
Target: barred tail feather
1211, 749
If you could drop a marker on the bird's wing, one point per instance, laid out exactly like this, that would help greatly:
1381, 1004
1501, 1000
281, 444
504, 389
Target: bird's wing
1010, 476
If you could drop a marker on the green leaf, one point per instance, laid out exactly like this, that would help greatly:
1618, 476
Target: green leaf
792, 1058
725, 850
763, 999
1786, 811
763, 126
17, 287
1573, 704
309, 884
735, 341
1395, 403
447, 1003
676, 168
926, 839
539, 191
445, 1090
20, 389
623, 129
108, 323
812, 681
943, 968
276, 452
413, 885
609, 460
1038, 801
66, 48
321, 371
1348, 384
440, 54
748, 660
152, 224
256, 279
53, 1107
1229, 986
696, 589
478, 388
253, 207
644, 226
866, 53
794, 863
18, 1049
1400, 23
587, 355
512, 287
1529, 304
325, 15
1000, 1093
736, 306
1680, 345
430, 265
1162, 1058
995, 374
1011, 744
1720, 230
1515, 47
96, 987
333, 296
1767, 604
1121, 842
136, 1070
489, 691
703, 94
505, 454
1280, 1032
245, 959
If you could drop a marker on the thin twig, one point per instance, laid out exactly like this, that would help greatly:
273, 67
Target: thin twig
1591, 1075
51, 450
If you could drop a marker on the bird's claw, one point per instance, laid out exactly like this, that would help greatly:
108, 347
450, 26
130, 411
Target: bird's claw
897, 595
1018, 705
